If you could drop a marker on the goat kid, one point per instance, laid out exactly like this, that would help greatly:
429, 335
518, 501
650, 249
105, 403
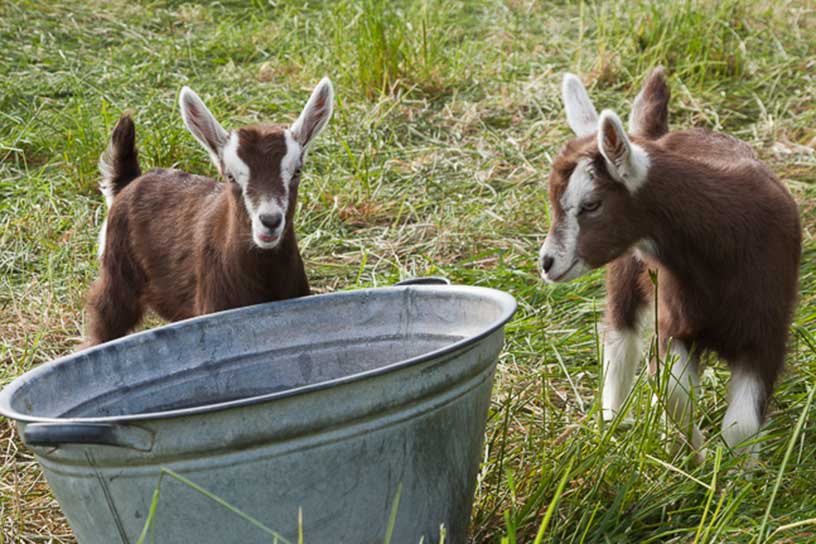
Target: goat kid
186, 245
719, 228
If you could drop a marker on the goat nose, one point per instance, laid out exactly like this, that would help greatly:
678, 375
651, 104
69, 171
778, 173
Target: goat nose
546, 263
271, 220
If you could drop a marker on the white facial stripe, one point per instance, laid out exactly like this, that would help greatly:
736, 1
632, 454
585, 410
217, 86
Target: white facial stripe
562, 246
289, 164
232, 162
234, 166
580, 184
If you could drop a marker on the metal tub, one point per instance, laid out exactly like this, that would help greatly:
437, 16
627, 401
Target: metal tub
325, 405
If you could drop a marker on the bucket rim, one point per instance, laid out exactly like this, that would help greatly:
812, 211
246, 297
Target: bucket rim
505, 301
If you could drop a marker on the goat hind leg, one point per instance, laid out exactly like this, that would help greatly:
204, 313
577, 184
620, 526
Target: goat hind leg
114, 308
749, 389
682, 385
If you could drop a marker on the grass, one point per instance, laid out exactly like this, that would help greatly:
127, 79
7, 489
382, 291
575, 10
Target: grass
436, 161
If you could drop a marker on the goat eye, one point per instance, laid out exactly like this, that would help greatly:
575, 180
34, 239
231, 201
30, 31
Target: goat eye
231, 178
591, 206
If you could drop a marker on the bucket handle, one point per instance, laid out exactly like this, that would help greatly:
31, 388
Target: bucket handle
425, 280
59, 434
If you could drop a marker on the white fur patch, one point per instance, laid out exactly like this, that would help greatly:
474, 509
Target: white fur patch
105, 187
291, 161
563, 246
106, 169
580, 184
639, 164
100, 241
622, 351
683, 382
645, 248
233, 164
742, 419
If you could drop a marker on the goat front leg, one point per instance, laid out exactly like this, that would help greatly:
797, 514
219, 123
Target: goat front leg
625, 308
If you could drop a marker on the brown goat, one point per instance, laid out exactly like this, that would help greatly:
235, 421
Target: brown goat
186, 245
719, 228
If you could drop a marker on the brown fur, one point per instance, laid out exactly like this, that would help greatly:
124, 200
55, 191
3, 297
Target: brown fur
182, 245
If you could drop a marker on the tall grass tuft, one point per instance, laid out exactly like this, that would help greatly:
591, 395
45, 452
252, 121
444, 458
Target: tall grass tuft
696, 39
392, 46
374, 32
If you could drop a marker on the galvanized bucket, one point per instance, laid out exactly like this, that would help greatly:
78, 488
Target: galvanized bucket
324, 408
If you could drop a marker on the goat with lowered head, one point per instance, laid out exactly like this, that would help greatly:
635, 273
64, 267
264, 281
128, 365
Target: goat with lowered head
721, 231
186, 245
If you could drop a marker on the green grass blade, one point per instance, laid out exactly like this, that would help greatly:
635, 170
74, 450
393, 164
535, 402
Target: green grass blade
791, 443
553, 502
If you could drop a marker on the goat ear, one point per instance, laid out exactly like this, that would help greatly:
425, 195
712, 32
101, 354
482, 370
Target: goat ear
202, 124
625, 161
315, 114
581, 114
650, 111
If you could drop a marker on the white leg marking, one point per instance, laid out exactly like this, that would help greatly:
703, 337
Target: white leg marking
682, 381
742, 419
622, 351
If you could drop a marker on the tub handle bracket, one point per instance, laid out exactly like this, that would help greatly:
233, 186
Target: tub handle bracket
59, 434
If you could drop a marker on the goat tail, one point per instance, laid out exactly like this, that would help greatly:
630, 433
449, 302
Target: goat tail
119, 164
